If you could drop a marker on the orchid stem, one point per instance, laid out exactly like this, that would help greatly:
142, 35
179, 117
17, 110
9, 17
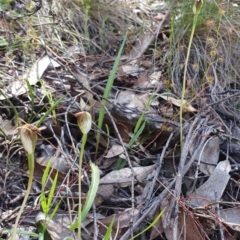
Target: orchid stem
30, 181
84, 140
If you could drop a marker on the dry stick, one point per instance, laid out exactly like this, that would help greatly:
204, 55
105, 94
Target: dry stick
160, 160
222, 100
181, 172
129, 164
220, 225
152, 208
196, 152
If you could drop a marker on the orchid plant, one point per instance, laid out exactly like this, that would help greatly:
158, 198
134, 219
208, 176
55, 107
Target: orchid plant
28, 135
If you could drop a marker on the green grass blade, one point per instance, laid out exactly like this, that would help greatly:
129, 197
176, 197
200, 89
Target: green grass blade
31, 94
42, 196
151, 225
107, 91
40, 121
137, 134
109, 230
55, 209
52, 190
45, 174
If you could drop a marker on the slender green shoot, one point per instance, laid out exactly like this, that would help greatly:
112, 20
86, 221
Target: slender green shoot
30, 181
49, 96
31, 95
84, 120
40, 121
196, 10
109, 230
107, 92
20, 232
46, 202
151, 225
92, 190
140, 126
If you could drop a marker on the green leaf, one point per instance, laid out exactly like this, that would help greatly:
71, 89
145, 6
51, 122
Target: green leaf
52, 190
109, 230
92, 190
42, 196
107, 91
90, 196
137, 134
151, 225
49, 111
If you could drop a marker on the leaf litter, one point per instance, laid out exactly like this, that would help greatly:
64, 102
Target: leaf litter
144, 169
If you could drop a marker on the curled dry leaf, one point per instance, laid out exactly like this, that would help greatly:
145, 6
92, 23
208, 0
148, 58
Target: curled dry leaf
122, 219
187, 107
122, 178
132, 70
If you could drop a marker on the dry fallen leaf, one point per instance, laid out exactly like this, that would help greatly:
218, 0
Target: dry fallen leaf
58, 227
33, 75
130, 99
115, 150
132, 70
209, 154
121, 219
177, 102
213, 188
231, 217
140, 46
7, 127
124, 176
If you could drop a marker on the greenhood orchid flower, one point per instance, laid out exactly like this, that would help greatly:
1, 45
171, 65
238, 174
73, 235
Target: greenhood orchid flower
84, 120
28, 135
